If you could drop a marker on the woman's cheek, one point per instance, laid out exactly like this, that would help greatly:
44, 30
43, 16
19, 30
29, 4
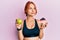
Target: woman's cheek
30, 11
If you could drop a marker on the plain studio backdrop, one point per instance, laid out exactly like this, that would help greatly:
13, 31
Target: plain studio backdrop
12, 9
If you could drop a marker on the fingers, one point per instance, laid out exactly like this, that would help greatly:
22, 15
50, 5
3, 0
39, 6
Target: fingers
17, 25
43, 25
46, 24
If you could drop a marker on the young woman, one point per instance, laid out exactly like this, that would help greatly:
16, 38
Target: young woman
31, 28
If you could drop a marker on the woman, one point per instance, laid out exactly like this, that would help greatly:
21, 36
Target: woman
31, 28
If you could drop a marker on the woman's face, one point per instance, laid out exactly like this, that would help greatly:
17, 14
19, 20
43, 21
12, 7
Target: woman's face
31, 10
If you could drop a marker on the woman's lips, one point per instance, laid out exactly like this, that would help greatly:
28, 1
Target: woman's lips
33, 13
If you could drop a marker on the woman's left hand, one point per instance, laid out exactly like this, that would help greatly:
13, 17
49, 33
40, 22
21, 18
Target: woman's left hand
43, 23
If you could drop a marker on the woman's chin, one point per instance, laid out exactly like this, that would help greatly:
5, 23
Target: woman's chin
32, 15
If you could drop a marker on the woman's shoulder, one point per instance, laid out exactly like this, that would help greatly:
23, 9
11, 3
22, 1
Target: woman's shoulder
38, 21
23, 23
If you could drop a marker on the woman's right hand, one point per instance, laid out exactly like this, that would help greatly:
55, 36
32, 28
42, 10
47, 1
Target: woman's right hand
18, 23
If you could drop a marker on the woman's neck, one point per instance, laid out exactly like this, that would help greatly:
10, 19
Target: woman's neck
30, 18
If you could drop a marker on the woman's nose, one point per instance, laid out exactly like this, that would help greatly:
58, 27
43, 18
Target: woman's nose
32, 10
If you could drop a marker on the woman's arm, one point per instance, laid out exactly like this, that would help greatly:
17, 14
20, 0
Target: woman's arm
41, 34
20, 35
41, 25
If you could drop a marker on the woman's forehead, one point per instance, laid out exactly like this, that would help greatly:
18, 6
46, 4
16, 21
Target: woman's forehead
31, 5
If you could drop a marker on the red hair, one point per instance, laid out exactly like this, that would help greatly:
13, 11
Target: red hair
27, 5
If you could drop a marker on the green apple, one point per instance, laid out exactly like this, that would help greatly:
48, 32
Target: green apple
19, 21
